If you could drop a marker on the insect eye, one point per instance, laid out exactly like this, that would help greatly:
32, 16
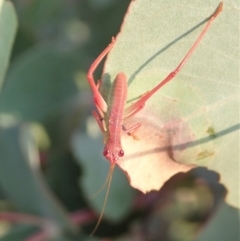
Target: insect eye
121, 153
106, 152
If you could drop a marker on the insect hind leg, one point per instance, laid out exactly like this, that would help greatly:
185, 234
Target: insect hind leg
130, 131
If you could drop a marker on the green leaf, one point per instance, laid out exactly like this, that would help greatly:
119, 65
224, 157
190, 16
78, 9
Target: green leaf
21, 181
223, 226
195, 117
19, 233
30, 91
8, 26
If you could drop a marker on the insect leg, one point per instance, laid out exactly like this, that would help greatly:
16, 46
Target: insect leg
139, 104
99, 120
131, 130
98, 99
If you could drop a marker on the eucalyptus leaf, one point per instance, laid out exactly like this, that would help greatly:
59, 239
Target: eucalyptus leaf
199, 109
45, 76
21, 181
19, 233
8, 26
225, 221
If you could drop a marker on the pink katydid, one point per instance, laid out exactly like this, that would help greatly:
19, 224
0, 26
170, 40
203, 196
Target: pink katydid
111, 115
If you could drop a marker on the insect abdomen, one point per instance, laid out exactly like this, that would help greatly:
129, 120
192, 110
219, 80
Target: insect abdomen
116, 109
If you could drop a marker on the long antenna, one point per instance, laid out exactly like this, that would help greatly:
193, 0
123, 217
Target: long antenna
111, 170
104, 184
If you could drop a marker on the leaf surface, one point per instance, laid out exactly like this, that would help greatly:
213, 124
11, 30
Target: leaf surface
194, 119
8, 26
19, 172
36, 75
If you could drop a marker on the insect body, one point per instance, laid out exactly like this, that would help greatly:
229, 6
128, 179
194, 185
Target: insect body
110, 117
114, 122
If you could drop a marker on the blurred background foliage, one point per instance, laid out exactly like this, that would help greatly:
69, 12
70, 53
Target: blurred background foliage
45, 99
